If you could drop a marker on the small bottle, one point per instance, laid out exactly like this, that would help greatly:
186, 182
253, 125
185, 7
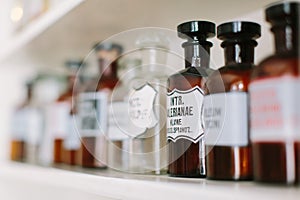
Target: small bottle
185, 101
61, 111
146, 100
19, 128
118, 116
71, 142
274, 101
226, 112
93, 108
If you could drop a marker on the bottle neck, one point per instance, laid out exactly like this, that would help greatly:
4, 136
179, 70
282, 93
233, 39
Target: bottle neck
286, 39
107, 69
239, 52
197, 54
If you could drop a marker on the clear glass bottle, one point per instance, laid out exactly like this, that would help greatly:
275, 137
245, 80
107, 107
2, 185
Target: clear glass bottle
146, 101
226, 112
274, 101
185, 100
118, 116
93, 107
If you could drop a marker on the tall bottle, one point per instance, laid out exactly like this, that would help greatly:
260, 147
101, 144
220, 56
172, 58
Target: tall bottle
146, 99
274, 98
185, 101
71, 140
19, 128
226, 110
61, 111
93, 108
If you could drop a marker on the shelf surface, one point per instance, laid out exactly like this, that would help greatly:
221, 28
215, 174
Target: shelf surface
107, 184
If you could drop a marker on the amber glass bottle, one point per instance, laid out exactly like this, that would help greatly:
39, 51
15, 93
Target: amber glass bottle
185, 101
229, 155
62, 111
19, 128
274, 97
93, 108
71, 141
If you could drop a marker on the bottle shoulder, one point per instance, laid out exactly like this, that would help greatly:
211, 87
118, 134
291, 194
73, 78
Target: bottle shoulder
230, 78
277, 65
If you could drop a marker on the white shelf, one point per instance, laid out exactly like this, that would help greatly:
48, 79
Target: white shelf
38, 26
70, 30
33, 181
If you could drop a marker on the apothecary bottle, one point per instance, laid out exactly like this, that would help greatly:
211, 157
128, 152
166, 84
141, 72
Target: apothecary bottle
92, 107
274, 101
185, 101
226, 105
146, 106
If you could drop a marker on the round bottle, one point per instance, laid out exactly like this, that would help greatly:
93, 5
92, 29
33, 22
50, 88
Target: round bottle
274, 98
226, 111
185, 100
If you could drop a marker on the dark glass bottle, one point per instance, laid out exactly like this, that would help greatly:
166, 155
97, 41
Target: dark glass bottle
19, 128
62, 111
229, 155
93, 108
274, 97
185, 95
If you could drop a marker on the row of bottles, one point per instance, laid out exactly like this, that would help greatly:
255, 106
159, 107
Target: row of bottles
235, 123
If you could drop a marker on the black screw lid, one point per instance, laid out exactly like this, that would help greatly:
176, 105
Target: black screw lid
283, 10
197, 30
239, 30
108, 47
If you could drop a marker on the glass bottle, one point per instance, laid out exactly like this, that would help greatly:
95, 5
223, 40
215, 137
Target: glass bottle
185, 100
229, 155
71, 141
147, 146
118, 115
19, 128
274, 98
93, 108
61, 111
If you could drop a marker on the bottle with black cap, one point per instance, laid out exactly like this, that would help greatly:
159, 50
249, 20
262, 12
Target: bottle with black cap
92, 107
185, 100
226, 112
274, 100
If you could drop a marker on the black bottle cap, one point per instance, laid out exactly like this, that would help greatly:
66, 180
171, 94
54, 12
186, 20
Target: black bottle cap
282, 11
107, 46
196, 30
239, 30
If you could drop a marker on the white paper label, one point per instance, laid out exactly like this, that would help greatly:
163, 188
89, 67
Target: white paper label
275, 112
141, 110
93, 113
35, 126
72, 140
59, 118
118, 121
226, 119
184, 114
19, 125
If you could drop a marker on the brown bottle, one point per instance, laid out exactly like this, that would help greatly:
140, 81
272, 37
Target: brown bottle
92, 108
67, 148
229, 155
274, 95
184, 102
62, 110
19, 128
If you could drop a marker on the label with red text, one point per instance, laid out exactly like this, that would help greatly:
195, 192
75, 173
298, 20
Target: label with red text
275, 109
